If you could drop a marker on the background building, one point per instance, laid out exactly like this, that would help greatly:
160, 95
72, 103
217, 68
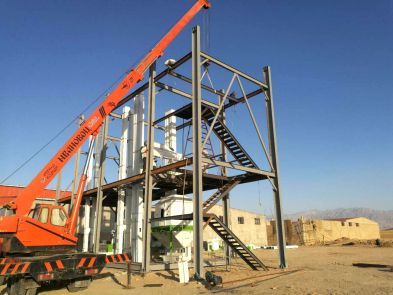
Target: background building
310, 232
250, 227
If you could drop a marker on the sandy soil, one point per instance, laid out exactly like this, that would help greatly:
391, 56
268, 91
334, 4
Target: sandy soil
312, 270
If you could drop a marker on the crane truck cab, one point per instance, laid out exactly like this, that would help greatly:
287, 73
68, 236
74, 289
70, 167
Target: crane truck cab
52, 214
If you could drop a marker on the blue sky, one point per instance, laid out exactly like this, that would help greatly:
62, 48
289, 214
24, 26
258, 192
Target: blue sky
332, 70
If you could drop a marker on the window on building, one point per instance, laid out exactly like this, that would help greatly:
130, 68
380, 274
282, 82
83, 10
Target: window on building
257, 221
162, 212
357, 224
350, 223
342, 223
240, 220
221, 218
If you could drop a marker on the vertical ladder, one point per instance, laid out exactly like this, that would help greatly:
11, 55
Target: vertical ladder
234, 242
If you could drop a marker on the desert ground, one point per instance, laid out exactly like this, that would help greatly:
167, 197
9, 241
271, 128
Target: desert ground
312, 270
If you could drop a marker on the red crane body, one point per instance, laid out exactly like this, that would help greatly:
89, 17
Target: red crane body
26, 232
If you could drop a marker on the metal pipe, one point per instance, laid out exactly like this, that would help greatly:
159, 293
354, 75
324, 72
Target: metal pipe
148, 169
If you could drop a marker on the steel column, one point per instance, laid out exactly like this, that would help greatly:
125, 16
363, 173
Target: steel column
148, 168
233, 70
197, 152
100, 193
274, 156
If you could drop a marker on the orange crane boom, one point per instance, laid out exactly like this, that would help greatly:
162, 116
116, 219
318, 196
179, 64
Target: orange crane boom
92, 124
35, 230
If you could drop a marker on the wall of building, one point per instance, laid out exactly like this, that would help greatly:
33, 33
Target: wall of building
291, 234
310, 232
251, 231
321, 231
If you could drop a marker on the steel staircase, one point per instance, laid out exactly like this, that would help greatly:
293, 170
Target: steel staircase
234, 242
228, 139
221, 192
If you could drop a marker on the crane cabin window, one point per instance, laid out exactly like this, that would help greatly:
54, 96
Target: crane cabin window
58, 217
6, 212
44, 215
34, 213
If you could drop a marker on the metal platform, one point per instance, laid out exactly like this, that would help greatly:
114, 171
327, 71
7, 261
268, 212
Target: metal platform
167, 178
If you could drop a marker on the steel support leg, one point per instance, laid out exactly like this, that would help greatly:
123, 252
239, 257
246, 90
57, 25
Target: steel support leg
274, 156
148, 168
100, 183
197, 152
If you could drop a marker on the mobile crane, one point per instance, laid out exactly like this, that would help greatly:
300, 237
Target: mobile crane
39, 244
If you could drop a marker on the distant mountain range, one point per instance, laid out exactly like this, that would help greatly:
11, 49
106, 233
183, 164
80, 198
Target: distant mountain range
383, 217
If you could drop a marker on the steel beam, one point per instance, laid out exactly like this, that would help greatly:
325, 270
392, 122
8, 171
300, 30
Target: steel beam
233, 70
148, 169
274, 156
238, 167
139, 177
197, 153
205, 87
184, 94
157, 78
241, 99
184, 125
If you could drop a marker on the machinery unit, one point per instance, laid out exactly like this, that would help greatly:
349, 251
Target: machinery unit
176, 235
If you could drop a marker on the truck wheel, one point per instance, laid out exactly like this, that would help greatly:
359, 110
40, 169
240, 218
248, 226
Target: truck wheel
21, 286
79, 284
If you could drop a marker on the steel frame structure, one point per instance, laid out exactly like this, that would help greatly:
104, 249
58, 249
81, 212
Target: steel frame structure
196, 181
